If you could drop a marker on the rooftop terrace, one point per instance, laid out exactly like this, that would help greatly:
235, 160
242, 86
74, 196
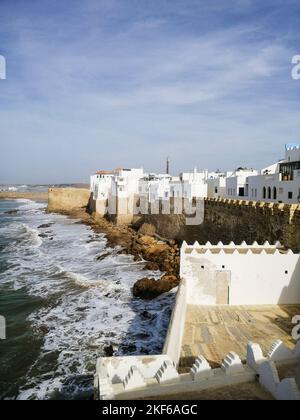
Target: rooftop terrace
214, 331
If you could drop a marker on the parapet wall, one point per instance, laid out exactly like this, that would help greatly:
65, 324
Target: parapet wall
68, 199
224, 220
240, 274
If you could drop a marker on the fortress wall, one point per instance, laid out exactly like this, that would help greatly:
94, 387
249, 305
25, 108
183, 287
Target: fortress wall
224, 220
237, 221
67, 199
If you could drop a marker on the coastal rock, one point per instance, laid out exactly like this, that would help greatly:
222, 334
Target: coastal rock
43, 235
109, 351
151, 266
11, 212
151, 288
146, 240
147, 229
45, 226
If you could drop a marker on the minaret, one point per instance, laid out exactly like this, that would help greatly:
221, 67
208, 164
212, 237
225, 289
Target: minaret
168, 166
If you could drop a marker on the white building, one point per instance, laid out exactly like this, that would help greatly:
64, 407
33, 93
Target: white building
216, 184
101, 183
155, 186
237, 185
279, 183
190, 185
119, 182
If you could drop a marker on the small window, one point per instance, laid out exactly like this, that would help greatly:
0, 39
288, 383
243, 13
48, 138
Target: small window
202, 266
264, 192
223, 266
290, 195
286, 272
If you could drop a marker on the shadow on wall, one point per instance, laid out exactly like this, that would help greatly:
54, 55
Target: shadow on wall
293, 285
91, 207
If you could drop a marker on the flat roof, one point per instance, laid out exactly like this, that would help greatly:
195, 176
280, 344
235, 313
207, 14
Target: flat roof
214, 331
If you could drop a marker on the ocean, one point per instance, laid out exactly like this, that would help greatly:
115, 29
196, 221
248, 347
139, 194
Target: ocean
66, 296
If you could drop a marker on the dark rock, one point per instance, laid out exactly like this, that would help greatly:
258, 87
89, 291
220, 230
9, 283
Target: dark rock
151, 288
101, 257
11, 212
130, 348
45, 226
109, 351
145, 315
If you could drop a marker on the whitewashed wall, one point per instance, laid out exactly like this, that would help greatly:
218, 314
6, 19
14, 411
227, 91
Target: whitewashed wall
173, 342
255, 278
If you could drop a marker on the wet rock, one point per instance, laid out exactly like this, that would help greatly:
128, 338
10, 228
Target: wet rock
45, 226
142, 336
108, 351
130, 348
44, 329
11, 212
151, 288
145, 315
101, 257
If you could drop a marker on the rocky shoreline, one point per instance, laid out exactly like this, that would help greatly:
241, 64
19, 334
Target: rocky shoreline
144, 245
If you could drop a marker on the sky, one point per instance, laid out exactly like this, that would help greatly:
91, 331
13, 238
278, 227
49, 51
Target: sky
100, 84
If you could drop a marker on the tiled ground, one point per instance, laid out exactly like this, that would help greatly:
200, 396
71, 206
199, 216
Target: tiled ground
214, 331
246, 391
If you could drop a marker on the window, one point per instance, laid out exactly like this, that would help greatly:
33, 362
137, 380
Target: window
290, 195
264, 192
275, 193
216, 190
269, 193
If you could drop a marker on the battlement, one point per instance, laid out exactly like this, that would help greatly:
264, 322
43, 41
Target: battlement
142, 377
266, 249
216, 274
253, 204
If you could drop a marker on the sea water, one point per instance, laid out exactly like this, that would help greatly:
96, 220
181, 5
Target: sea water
66, 295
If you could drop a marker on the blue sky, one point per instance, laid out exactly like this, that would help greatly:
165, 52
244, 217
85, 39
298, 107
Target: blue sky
99, 84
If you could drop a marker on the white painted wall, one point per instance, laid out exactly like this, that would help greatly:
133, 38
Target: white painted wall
283, 188
255, 278
173, 342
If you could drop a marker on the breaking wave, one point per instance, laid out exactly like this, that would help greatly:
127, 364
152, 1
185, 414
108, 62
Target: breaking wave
83, 290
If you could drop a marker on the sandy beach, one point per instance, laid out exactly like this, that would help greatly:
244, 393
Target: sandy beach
11, 195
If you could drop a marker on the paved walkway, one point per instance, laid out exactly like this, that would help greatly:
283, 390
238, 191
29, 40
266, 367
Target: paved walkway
214, 331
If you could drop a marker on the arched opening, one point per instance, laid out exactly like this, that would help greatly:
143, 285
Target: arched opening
264, 192
269, 193
275, 193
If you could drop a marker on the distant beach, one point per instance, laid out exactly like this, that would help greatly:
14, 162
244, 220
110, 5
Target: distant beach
13, 195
